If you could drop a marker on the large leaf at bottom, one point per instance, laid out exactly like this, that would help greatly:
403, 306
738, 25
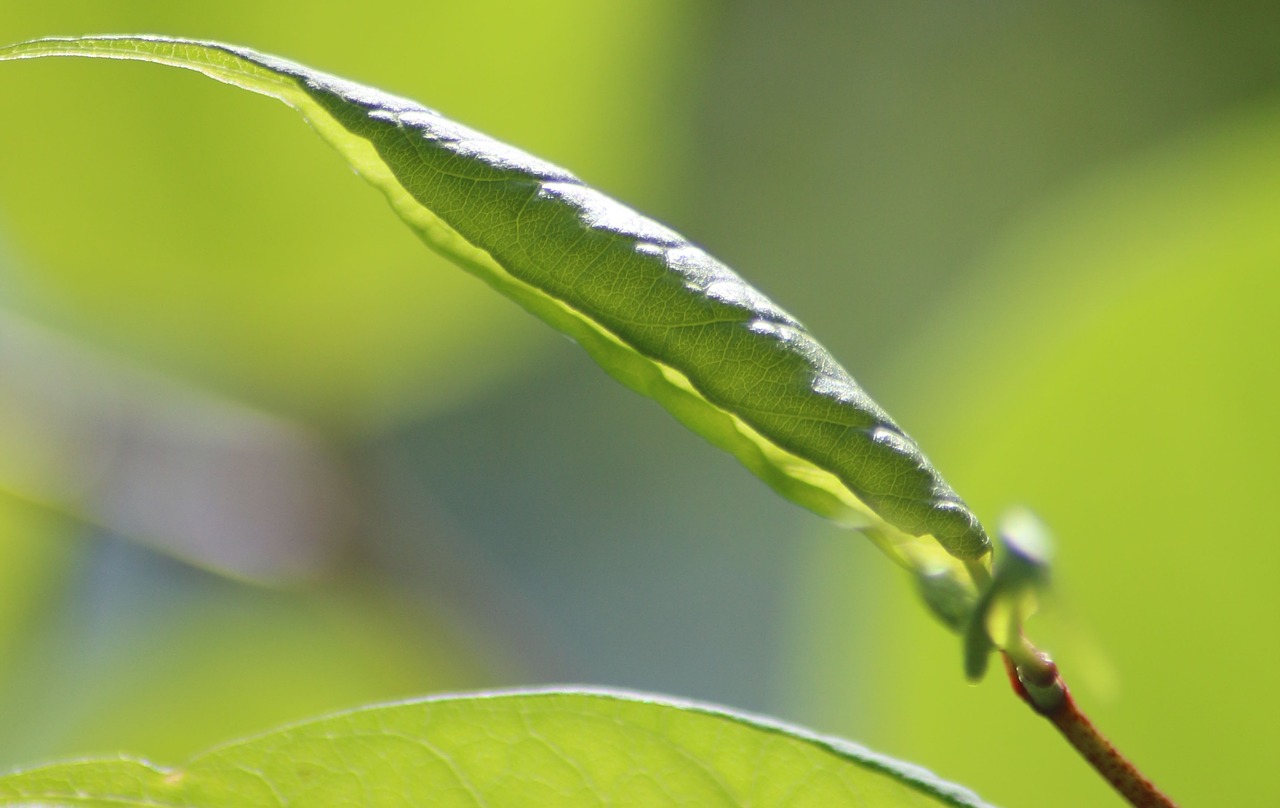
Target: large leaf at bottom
655, 311
581, 748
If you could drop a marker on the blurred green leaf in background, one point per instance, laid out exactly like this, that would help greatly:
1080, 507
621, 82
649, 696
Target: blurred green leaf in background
1043, 237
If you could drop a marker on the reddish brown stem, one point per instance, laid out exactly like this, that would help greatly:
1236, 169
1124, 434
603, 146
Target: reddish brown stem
1046, 693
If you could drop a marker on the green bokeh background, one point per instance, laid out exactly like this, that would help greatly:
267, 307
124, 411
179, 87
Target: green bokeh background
1043, 237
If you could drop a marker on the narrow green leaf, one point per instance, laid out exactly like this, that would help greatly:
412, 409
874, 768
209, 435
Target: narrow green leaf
655, 311
580, 748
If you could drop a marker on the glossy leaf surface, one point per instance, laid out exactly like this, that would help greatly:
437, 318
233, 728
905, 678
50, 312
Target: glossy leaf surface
531, 748
655, 311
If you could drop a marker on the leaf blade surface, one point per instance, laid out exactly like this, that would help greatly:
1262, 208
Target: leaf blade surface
570, 748
655, 311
